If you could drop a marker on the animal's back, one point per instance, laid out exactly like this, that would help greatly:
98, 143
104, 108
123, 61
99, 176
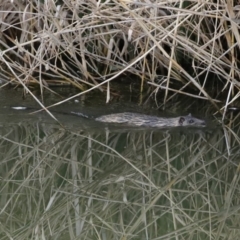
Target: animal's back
136, 119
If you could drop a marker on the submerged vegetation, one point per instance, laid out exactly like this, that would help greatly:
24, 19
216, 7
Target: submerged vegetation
180, 47
58, 184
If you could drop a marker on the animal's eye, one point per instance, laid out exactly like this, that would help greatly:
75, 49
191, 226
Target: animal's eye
191, 121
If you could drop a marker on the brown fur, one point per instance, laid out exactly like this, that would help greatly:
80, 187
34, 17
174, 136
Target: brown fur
136, 119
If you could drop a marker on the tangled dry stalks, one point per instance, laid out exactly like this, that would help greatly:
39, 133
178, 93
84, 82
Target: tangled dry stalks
172, 45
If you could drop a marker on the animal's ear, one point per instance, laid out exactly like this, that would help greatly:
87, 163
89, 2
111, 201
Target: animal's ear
189, 114
181, 120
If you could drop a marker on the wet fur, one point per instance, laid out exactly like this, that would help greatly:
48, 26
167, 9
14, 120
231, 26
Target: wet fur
136, 119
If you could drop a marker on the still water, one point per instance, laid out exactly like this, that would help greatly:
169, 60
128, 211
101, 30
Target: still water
88, 180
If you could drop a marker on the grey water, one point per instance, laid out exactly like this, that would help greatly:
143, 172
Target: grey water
82, 179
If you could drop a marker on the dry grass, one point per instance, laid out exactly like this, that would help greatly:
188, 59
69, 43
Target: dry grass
90, 43
139, 185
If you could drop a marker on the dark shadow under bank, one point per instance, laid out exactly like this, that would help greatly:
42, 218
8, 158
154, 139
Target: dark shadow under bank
123, 98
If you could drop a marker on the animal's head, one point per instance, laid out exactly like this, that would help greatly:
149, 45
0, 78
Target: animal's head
189, 120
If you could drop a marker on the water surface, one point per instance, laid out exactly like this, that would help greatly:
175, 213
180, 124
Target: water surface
89, 180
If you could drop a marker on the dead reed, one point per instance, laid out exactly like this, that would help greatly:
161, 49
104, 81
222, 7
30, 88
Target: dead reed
184, 48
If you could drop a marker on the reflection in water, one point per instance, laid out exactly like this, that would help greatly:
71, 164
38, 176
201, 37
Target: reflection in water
128, 184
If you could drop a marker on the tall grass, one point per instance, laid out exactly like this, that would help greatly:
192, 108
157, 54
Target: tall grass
179, 47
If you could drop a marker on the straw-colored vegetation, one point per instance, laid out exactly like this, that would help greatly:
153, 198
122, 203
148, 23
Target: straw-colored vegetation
62, 185
180, 47
88, 184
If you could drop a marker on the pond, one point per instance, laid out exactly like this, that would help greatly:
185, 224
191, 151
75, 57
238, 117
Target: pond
88, 180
